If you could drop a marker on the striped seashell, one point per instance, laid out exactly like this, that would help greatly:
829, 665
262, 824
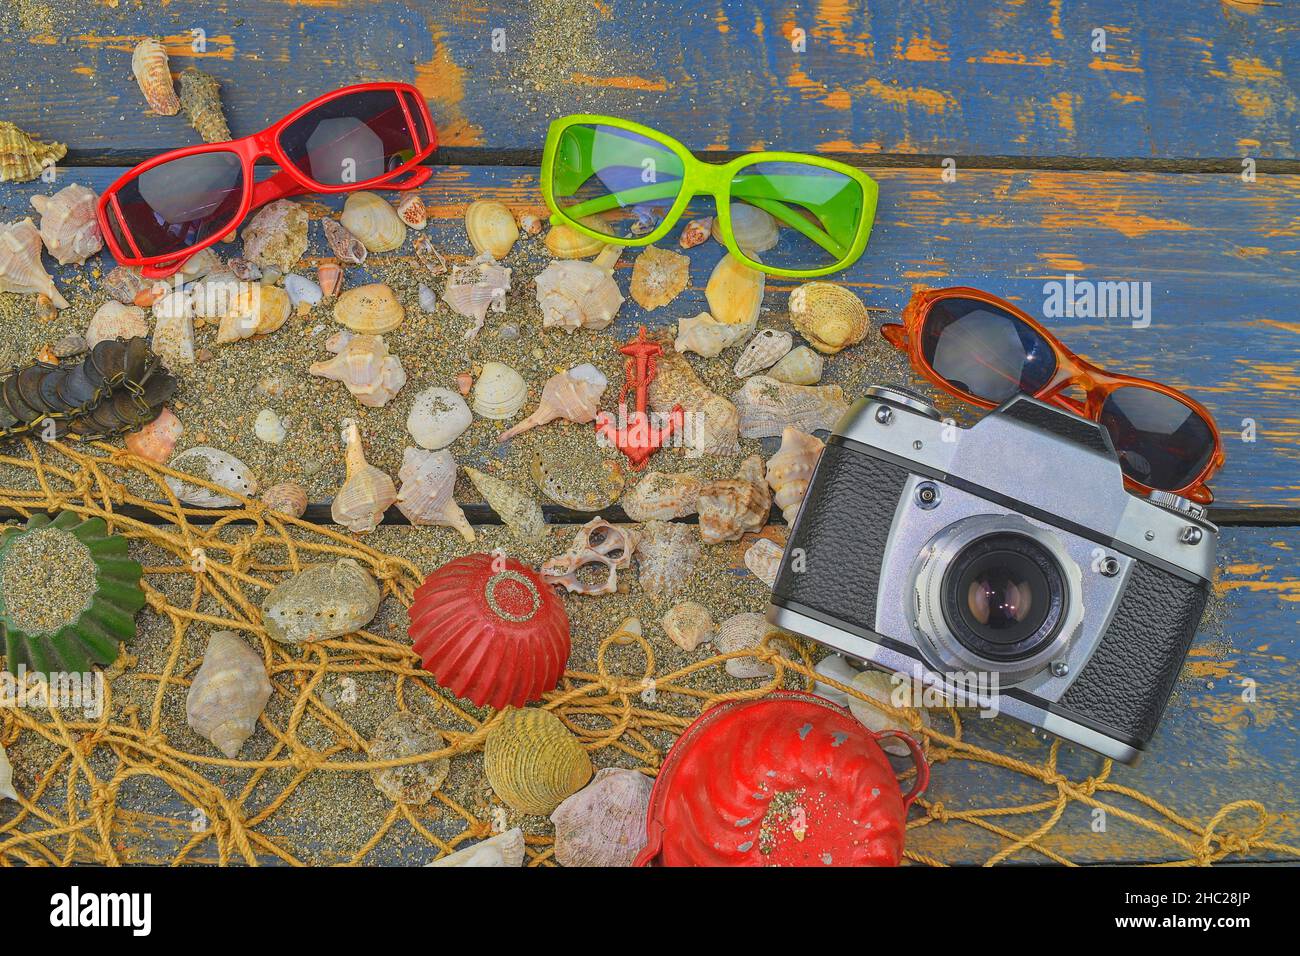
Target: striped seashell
228, 693
763, 558
533, 762
731, 506
604, 823
768, 407
22, 156
741, 632
520, 512
152, 72
763, 351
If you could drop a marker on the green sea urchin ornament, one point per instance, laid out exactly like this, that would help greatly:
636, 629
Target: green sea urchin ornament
68, 594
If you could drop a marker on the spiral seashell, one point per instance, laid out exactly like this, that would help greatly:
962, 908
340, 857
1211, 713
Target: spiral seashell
504, 849
369, 309
69, 228
437, 418
277, 235
829, 316
22, 156
754, 229
662, 497
412, 211
373, 221
156, 440
763, 558
287, 497
802, 366
113, 320
520, 512
791, 469
763, 351
711, 420
363, 364
425, 497
245, 309
705, 335
21, 269
475, 288
499, 392
734, 292
695, 232
7, 791
153, 74
601, 550
573, 395
689, 624
579, 295
578, 477
658, 277
742, 632
491, 228
366, 493
666, 557
321, 602
343, 244
564, 242
767, 407
406, 735
604, 823
229, 693
884, 687
201, 99
329, 276
730, 507
533, 762
219, 468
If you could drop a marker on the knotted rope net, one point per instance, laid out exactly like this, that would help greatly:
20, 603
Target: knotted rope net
76, 812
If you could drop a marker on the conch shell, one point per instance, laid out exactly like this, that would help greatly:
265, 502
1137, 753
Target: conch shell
763, 351
364, 364
152, 72
23, 157
228, 694
767, 407
277, 235
218, 467
532, 761
604, 823
504, 849
68, 225
731, 506
573, 395
520, 512
662, 497
491, 228
829, 316
373, 221
734, 292
405, 734
575, 294
791, 468
366, 493
499, 392
658, 277
475, 288
711, 420
369, 309
21, 269
201, 100
425, 497
666, 557
598, 544
705, 335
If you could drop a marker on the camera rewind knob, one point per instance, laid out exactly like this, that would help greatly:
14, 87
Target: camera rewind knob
1176, 503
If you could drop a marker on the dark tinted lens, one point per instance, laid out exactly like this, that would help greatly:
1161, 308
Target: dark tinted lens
179, 204
350, 139
1161, 442
421, 124
985, 351
1003, 596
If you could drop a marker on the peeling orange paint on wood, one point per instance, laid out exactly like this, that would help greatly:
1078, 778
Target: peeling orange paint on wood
1008, 58
621, 82
931, 101
1112, 66
921, 50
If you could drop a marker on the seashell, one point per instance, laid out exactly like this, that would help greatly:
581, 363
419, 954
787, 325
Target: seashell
277, 235
564, 242
7, 790
573, 395
228, 694
734, 292
366, 493
321, 602
662, 497
711, 420
491, 228
791, 468
113, 320
69, 345
604, 823
302, 291
268, 427
243, 270
731, 506
504, 849
152, 72
427, 254
706, 336
23, 157
601, 550
578, 477
201, 99
763, 351
205, 262
250, 309
802, 366
343, 244
329, 276
405, 734
437, 418
658, 277
475, 288
428, 299
68, 225
742, 632
688, 625
124, 283
21, 269
579, 295
173, 329
695, 232
499, 392
666, 557
412, 211
520, 512
533, 762
835, 667
755, 229
425, 497
628, 632
885, 688
364, 364
215, 466
767, 407
373, 221
288, 497
464, 382
829, 316
763, 558
530, 225
369, 309
156, 440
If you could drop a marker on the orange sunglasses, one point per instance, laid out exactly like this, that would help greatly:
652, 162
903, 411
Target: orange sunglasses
984, 350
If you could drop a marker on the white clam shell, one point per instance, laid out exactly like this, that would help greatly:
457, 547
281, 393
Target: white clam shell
302, 290
437, 418
372, 220
499, 392
268, 427
755, 229
504, 849
216, 466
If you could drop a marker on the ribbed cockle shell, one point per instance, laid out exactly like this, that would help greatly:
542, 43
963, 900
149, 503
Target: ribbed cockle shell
533, 762
22, 156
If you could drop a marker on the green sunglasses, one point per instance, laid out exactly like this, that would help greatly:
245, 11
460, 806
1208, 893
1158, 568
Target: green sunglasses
818, 212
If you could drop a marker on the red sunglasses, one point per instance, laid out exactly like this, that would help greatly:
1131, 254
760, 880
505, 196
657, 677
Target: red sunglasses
165, 210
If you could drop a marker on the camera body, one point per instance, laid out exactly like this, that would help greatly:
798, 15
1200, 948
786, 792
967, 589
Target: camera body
1007, 555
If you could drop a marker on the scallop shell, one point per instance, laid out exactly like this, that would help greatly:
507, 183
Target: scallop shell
219, 468
520, 512
741, 632
695, 232
577, 477
23, 157
228, 694
767, 407
366, 493
666, 557
662, 497
201, 99
156, 440
533, 762
705, 335
734, 292
113, 320
711, 420
499, 392
173, 329
369, 309
21, 269
69, 228
287, 497
564, 242
504, 849
405, 734
688, 625
363, 364
829, 316
277, 235
658, 277
437, 418
802, 366
254, 309
425, 497
268, 427
373, 221
343, 244
880, 686
604, 823
475, 288
321, 602
791, 468
491, 227
152, 72
7, 791
755, 229
412, 211
573, 395
763, 351
730, 507
763, 558
579, 295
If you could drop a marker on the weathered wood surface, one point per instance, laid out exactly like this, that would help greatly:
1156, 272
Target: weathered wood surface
950, 78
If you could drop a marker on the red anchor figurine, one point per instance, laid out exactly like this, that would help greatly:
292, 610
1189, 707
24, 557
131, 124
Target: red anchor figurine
637, 437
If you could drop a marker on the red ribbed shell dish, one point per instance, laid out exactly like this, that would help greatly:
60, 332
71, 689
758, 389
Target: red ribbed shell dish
785, 780
491, 630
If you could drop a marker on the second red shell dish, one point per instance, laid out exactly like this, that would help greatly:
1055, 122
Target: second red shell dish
490, 630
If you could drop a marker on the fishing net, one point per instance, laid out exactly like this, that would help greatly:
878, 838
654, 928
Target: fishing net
623, 714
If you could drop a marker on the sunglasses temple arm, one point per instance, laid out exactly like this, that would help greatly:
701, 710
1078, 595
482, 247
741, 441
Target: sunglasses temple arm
798, 223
